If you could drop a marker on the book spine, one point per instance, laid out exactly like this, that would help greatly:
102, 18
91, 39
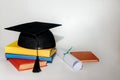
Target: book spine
15, 50
48, 59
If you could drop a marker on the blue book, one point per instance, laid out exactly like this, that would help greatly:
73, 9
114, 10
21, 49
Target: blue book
19, 56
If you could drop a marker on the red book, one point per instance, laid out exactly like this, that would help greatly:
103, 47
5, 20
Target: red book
22, 64
85, 56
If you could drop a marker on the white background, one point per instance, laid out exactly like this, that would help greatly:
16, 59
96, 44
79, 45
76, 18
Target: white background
86, 25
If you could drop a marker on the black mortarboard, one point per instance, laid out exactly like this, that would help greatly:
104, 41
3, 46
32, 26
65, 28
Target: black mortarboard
35, 35
31, 31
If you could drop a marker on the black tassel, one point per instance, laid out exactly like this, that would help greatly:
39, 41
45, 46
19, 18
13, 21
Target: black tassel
36, 67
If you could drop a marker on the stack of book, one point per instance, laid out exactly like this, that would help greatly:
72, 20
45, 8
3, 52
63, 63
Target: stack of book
23, 58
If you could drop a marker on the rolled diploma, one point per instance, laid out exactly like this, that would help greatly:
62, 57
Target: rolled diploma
73, 62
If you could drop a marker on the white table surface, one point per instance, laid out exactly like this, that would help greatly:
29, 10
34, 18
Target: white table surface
58, 70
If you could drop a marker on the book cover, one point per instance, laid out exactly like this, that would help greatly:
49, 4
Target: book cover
85, 56
22, 65
14, 48
19, 56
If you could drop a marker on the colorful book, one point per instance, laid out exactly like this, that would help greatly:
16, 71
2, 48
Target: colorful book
85, 56
16, 49
22, 65
19, 56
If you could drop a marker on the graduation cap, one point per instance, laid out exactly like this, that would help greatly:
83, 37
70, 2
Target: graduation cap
35, 35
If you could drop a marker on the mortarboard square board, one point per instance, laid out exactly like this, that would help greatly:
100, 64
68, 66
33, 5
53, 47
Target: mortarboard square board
35, 35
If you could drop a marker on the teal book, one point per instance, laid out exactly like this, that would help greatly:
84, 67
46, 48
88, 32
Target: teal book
19, 56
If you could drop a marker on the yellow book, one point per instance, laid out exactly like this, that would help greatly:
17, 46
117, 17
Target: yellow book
14, 48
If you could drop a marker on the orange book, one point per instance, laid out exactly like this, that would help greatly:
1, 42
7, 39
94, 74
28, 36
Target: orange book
22, 64
85, 56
